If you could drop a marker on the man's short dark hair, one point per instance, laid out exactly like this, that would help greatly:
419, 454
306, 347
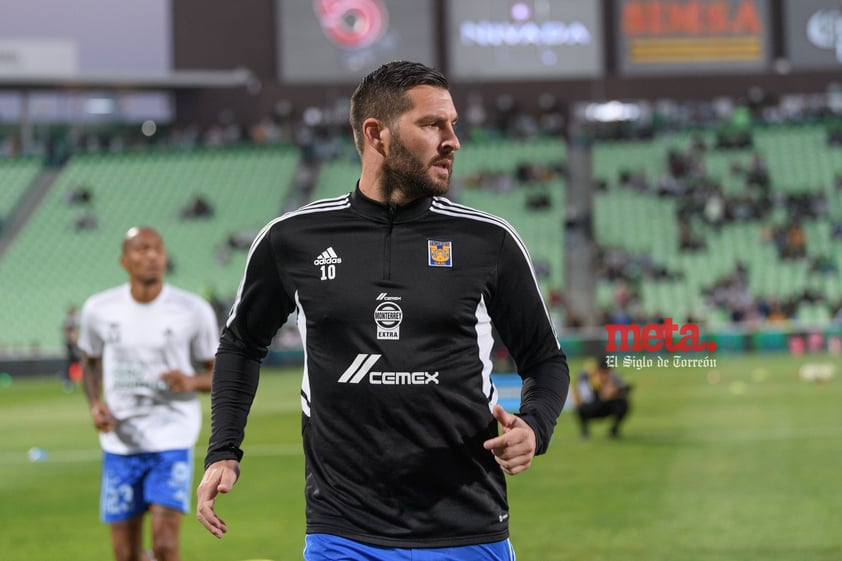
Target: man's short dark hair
381, 94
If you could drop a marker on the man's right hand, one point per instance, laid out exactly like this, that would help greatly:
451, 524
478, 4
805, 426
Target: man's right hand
220, 477
104, 421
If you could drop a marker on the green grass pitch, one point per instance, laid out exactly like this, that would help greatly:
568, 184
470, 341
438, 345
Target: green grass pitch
743, 463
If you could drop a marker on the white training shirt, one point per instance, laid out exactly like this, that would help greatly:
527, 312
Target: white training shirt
137, 343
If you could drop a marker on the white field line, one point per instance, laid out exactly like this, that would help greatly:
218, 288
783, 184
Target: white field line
95, 455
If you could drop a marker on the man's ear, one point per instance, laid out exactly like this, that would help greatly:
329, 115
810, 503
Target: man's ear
376, 135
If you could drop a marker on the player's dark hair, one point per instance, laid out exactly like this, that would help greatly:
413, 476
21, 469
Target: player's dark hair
382, 93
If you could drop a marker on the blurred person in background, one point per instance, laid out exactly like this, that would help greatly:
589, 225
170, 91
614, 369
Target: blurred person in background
70, 331
141, 343
396, 290
599, 392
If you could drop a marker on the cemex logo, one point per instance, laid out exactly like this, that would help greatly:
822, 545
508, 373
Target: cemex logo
653, 337
361, 369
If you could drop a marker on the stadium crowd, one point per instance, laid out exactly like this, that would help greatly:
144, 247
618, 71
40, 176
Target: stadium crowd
703, 204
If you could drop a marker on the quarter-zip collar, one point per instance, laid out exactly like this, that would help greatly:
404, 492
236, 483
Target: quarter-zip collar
392, 213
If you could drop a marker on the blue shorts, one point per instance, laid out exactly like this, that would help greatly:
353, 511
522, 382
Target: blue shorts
325, 547
131, 483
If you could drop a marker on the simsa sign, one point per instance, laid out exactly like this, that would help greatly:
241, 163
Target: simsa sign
814, 33
691, 36
524, 39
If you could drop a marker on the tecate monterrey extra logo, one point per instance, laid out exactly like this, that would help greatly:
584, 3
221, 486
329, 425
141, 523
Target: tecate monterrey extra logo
388, 316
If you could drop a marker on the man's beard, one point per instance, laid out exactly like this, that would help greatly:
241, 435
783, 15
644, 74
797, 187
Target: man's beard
403, 171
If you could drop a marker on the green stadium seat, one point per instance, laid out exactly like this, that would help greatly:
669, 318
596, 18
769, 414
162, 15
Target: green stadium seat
16, 175
53, 266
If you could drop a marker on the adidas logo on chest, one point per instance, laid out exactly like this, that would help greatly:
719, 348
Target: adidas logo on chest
327, 262
327, 257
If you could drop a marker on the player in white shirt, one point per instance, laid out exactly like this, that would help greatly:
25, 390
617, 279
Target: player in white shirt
140, 342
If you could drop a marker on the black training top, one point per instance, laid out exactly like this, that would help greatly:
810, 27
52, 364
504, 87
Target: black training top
395, 306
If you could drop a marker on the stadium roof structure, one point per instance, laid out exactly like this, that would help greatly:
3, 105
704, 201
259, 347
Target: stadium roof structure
176, 80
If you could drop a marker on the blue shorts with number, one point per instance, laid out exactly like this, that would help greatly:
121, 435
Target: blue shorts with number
326, 547
133, 482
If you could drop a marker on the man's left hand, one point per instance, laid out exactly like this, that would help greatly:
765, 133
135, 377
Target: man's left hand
515, 448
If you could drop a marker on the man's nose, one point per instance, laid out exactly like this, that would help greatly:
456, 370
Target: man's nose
451, 140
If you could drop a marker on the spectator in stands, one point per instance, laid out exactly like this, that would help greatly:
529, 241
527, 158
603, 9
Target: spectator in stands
198, 207
836, 230
599, 392
688, 241
86, 221
668, 185
775, 313
542, 268
699, 145
677, 163
214, 136
538, 200
824, 264
795, 241
79, 194
758, 172
836, 310
236, 241
819, 206
714, 210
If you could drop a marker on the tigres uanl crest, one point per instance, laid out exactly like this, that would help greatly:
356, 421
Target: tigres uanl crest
439, 254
